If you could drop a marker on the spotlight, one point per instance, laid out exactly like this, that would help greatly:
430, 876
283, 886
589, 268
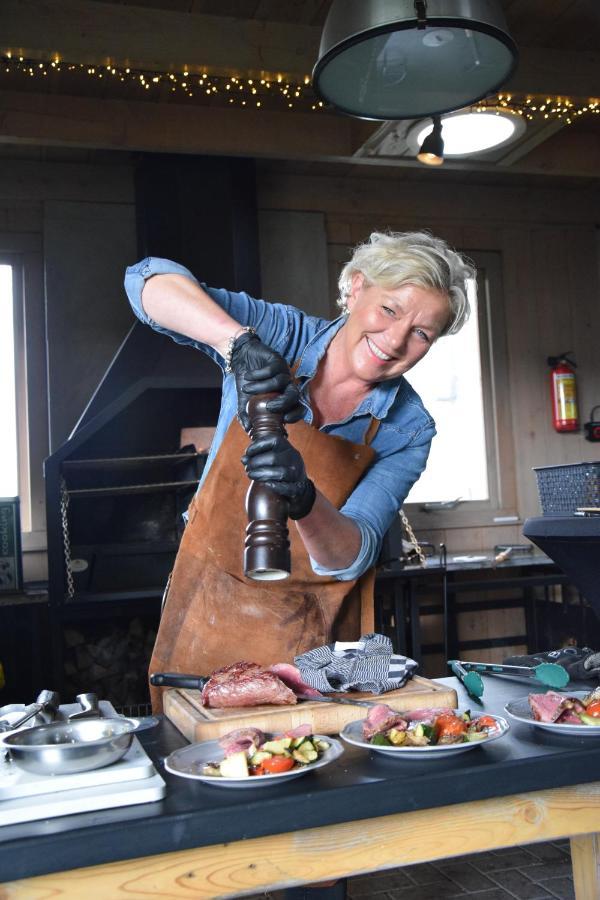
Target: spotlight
432, 149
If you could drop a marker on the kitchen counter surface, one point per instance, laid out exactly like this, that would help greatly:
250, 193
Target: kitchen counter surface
358, 786
470, 560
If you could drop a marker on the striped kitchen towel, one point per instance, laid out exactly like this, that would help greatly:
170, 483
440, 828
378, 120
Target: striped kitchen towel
368, 664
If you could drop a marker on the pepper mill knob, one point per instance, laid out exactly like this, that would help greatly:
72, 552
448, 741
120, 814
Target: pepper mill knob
267, 547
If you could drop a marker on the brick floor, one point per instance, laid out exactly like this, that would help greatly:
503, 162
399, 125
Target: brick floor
535, 872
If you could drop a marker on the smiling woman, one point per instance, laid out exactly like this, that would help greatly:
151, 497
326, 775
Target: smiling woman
356, 438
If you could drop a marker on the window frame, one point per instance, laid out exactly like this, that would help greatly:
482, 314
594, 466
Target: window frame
23, 252
502, 503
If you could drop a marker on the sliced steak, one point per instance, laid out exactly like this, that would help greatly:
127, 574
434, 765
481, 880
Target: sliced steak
245, 684
299, 731
547, 707
241, 739
290, 675
381, 718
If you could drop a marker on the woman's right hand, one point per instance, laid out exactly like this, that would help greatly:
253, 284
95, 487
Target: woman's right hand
260, 370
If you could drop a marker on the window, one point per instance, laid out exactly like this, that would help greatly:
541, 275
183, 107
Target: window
463, 382
23, 392
9, 478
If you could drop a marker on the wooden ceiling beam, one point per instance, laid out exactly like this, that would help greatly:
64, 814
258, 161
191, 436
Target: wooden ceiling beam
164, 40
50, 119
58, 120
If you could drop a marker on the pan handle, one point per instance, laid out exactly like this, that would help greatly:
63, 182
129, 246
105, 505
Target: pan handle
177, 679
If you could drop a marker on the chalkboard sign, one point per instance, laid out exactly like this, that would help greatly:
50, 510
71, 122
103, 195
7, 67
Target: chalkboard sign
11, 574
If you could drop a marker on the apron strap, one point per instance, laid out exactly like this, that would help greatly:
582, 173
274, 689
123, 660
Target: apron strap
371, 431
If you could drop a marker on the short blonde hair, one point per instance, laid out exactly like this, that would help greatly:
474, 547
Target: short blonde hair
392, 259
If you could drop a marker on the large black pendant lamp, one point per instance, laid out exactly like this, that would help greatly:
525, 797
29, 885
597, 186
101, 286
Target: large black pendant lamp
407, 59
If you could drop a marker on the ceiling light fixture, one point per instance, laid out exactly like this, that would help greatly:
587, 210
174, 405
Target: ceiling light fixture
431, 152
467, 132
404, 59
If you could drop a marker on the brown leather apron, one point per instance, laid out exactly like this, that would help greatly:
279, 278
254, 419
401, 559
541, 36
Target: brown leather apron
213, 615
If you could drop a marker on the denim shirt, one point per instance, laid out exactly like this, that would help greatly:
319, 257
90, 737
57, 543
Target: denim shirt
402, 440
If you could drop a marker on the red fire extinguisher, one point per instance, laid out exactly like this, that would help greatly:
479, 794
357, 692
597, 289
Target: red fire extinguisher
563, 391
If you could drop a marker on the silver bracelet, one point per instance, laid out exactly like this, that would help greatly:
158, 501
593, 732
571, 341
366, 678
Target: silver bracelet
231, 343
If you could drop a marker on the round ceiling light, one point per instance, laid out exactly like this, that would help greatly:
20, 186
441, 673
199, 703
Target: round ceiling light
469, 131
406, 59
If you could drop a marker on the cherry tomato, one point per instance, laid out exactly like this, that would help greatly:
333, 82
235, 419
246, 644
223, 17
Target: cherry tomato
484, 722
277, 764
593, 709
449, 725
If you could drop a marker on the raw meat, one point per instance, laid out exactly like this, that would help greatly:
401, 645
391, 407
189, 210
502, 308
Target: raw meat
382, 718
241, 739
547, 707
245, 684
290, 675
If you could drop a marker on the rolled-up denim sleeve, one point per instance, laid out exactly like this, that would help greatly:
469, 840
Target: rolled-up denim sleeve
136, 277
378, 497
272, 321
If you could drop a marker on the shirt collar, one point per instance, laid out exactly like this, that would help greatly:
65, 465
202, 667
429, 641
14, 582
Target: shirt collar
377, 402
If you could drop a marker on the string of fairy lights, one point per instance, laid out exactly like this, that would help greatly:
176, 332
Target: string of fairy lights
266, 92
544, 107
278, 91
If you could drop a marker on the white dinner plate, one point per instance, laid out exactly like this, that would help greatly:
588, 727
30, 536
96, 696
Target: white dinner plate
353, 734
520, 711
190, 761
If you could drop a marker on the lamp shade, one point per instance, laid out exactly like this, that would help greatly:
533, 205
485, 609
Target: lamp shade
405, 59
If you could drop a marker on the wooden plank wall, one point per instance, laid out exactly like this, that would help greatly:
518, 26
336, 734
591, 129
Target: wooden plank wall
547, 240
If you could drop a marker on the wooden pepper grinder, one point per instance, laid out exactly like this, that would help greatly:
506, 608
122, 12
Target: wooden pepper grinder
267, 547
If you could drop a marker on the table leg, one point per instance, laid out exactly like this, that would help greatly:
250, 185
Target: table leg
585, 858
415, 625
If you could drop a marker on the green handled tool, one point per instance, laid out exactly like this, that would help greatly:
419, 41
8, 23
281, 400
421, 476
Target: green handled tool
471, 680
550, 674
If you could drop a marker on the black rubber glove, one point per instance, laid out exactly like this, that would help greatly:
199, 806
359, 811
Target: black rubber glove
260, 370
274, 462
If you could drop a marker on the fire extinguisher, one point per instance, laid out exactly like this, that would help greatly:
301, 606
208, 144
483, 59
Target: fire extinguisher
563, 391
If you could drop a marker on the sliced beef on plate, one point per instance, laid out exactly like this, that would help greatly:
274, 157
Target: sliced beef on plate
245, 684
299, 731
241, 739
547, 707
290, 675
380, 719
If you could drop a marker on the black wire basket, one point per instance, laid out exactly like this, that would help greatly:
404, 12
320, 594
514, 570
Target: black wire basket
565, 489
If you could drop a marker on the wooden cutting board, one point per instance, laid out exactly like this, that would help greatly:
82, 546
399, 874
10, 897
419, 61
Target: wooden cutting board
197, 723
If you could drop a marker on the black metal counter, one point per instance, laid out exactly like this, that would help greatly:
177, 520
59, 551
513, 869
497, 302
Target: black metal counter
358, 786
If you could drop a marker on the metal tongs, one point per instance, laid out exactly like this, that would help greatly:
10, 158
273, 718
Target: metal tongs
472, 681
46, 702
550, 674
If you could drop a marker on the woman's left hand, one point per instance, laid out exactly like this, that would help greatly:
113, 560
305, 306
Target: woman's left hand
258, 369
273, 461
